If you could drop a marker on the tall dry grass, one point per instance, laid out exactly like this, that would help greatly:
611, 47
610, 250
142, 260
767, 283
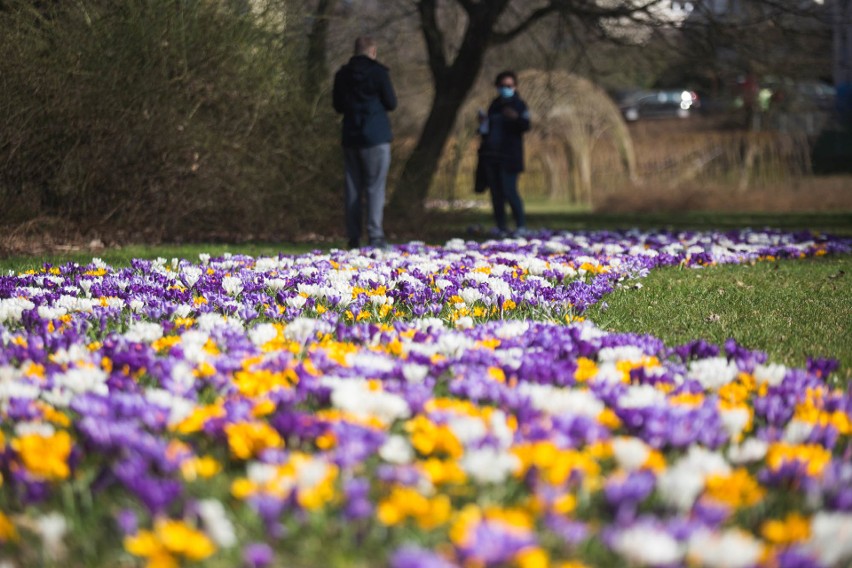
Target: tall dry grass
693, 163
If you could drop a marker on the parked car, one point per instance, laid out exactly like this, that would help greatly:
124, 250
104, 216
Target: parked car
803, 95
656, 103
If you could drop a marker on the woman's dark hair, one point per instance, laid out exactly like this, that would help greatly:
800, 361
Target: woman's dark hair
502, 75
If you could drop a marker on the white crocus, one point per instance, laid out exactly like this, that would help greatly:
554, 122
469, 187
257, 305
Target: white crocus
470, 295
52, 528
797, 431
192, 343
414, 373
83, 379
489, 465
750, 451
210, 321
735, 420
831, 538
396, 450
217, 523
648, 546
641, 396
726, 549
354, 396
191, 275
467, 429
12, 309
74, 352
300, 330
261, 473
51, 313
179, 408
311, 473
263, 333
232, 285
42, 429
630, 453
713, 373
771, 374
621, 353
681, 483
557, 401
144, 332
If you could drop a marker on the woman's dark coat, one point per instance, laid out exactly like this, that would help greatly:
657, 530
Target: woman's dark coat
504, 141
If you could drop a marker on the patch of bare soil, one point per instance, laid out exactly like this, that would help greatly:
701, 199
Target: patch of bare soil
46, 235
812, 194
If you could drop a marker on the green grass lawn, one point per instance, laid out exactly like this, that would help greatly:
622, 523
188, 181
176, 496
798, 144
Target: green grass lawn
447, 224
120, 257
792, 309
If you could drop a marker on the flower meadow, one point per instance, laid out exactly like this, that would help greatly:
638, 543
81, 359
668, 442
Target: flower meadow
417, 407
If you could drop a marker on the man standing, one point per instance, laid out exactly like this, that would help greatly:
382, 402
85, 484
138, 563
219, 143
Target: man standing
363, 94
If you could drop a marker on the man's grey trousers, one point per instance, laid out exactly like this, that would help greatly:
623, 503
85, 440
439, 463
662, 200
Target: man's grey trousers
366, 175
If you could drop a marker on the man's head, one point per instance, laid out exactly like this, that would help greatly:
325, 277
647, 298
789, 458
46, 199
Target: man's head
366, 45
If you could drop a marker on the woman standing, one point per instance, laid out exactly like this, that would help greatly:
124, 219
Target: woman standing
501, 153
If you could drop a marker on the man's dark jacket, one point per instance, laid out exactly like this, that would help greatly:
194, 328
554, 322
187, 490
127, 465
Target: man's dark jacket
504, 141
363, 93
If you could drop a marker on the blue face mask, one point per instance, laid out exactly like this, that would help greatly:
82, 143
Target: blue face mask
507, 92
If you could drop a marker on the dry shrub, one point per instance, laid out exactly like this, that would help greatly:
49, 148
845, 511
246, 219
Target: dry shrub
158, 120
799, 195
678, 152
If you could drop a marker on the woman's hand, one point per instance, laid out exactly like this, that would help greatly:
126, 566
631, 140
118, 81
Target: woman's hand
510, 113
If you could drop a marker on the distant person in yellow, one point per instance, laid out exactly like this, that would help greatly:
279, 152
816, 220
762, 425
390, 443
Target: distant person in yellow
363, 94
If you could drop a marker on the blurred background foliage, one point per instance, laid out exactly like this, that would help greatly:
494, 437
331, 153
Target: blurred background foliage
160, 118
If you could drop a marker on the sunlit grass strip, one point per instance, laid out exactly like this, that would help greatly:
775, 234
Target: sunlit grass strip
790, 309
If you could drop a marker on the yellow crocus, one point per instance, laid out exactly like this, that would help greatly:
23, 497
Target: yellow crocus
247, 439
429, 438
203, 467
256, 383
795, 528
180, 538
813, 456
168, 540
200, 415
738, 489
45, 456
7, 529
407, 503
532, 557
441, 472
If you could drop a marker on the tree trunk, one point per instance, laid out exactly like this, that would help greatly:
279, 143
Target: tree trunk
316, 61
419, 170
453, 82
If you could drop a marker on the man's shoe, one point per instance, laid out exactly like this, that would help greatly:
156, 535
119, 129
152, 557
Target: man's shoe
353, 244
380, 244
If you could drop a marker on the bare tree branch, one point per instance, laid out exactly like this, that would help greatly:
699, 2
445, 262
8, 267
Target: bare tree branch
433, 35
